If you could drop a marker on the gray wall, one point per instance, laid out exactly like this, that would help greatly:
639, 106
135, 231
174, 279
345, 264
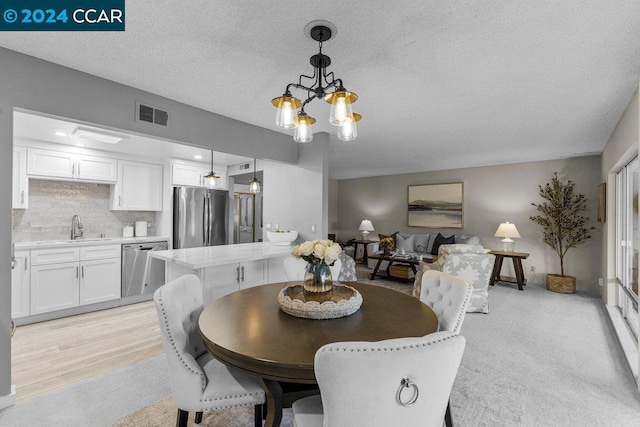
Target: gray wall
492, 195
32, 84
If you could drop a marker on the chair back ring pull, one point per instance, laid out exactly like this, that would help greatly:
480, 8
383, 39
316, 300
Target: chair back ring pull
406, 383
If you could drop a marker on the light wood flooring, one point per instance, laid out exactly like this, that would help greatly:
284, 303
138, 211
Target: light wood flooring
54, 354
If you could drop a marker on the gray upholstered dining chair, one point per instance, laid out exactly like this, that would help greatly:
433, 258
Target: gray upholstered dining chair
198, 381
397, 382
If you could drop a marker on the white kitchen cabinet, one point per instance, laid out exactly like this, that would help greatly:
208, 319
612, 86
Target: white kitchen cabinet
20, 285
20, 193
139, 187
51, 164
192, 175
277, 272
100, 278
221, 280
187, 175
69, 277
54, 287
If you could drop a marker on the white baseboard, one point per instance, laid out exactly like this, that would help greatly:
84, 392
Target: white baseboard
627, 342
9, 399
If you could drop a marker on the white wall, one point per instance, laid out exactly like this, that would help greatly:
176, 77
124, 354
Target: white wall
621, 148
35, 85
492, 195
301, 191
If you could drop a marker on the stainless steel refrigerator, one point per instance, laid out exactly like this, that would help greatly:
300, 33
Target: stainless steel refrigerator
200, 217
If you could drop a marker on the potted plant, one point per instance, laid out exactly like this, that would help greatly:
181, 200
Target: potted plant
563, 225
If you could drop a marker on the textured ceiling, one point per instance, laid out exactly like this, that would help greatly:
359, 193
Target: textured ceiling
441, 85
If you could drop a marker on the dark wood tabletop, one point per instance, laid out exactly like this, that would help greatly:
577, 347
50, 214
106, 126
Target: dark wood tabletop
247, 329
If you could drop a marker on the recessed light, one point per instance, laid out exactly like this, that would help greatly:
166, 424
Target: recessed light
58, 133
197, 157
98, 135
79, 144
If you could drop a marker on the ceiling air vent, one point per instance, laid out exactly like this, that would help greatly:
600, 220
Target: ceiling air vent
146, 113
245, 166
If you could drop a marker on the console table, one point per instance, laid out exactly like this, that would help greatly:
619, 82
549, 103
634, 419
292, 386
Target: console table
364, 243
517, 258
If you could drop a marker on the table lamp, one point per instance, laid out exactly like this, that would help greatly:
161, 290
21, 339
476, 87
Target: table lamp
365, 227
507, 230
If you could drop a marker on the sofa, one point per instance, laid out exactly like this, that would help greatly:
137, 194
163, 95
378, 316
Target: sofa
417, 244
469, 262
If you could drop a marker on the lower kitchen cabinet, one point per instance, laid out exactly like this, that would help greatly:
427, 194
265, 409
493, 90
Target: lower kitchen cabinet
99, 280
20, 285
221, 280
71, 277
54, 287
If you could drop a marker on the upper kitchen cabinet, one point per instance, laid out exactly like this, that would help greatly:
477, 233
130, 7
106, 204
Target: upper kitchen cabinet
50, 164
139, 187
185, 174
20, 194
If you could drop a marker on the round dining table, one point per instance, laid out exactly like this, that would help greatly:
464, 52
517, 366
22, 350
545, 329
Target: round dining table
248, 331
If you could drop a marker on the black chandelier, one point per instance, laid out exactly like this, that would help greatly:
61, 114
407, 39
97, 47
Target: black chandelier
291, 114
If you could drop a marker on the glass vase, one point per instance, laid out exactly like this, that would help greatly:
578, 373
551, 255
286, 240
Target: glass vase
318, 283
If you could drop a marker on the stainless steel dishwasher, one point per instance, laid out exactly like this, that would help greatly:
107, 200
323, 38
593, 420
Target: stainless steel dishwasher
141, 274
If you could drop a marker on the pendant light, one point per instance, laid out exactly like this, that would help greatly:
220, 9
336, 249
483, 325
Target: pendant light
321, 85
211, 179
254, 185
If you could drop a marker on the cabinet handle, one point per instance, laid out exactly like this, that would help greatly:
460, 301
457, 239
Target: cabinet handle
119, 200
238, 274
26, 261
83, 271
22, 197
242, 269
76, 272
73, 170
78, 169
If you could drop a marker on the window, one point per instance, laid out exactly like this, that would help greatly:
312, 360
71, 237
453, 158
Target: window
627, 244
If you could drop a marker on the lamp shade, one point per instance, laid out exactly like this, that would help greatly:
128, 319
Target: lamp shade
303, 132
507, 230
366, 225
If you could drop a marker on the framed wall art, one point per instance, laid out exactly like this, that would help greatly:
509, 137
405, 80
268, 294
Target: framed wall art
436, 205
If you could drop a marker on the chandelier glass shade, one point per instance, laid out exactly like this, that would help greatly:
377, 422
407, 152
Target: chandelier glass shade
322, 84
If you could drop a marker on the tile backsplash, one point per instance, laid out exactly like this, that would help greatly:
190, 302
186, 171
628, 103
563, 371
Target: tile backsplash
52, 204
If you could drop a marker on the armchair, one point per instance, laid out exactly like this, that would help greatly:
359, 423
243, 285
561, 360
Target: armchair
469, 262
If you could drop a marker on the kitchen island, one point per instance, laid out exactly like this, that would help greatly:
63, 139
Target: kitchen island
227, 268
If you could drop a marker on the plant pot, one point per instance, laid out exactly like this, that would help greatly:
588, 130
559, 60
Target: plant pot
561, 284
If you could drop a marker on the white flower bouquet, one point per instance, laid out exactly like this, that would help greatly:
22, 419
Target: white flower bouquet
317, 251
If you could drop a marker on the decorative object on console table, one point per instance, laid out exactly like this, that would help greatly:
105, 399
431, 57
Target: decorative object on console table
436, 205
319, 254
507, 230
366, 226
563, 226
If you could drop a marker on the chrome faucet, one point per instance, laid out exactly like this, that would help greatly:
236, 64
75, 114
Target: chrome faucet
76, 227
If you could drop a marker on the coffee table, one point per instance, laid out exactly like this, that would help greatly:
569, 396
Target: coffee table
392, 261
248, 330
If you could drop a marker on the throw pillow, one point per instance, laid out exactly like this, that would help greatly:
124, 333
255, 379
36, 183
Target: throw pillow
441, 240
404, 243
420, 243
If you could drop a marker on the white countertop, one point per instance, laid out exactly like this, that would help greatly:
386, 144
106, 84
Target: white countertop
209, 256
47, 244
